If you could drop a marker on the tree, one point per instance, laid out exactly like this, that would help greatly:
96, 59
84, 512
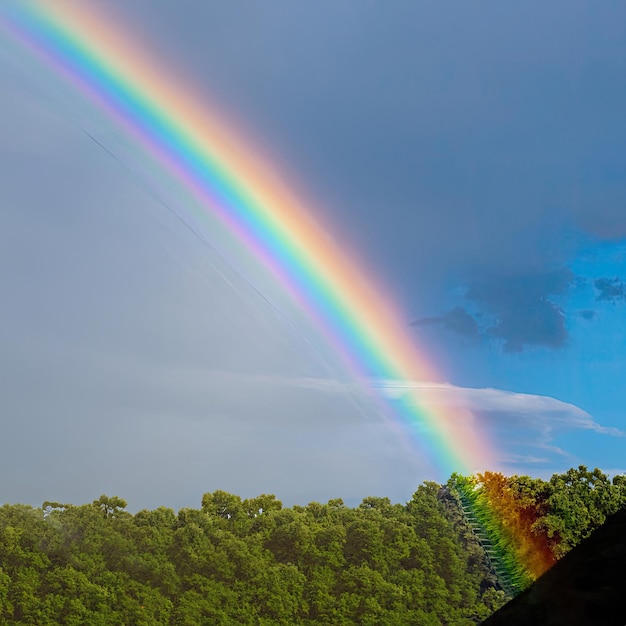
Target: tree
110, 506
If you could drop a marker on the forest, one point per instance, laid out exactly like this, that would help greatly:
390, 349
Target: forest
253, 561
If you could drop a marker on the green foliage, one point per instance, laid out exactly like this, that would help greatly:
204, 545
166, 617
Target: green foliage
576, 503
255, 562
238, 561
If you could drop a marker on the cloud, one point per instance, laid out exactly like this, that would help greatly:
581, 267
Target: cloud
458, 320
611, 289
525, 315
528, 458
588, 314
498, 400
542, 324
519, 310
520, 423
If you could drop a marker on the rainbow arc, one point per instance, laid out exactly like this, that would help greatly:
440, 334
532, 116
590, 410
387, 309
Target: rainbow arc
192, 143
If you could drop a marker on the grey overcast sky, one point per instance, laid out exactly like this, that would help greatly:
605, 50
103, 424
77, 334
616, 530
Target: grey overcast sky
472, 154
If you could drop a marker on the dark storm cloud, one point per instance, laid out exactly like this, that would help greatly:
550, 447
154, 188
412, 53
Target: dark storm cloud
519, 310
523, 323
522, 307
588, 314
458, 320
610, 289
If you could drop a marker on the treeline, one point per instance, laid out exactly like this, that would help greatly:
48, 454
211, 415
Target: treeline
237, 561
254, 561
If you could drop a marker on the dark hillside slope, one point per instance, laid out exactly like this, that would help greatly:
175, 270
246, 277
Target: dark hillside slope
586, 587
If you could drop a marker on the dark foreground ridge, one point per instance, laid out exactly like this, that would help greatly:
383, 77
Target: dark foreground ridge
587, 587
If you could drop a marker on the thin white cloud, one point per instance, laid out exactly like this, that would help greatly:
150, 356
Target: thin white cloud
541, 409
522, 426
528, 458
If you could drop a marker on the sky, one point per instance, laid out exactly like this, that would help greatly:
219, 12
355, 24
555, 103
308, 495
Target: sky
469, 155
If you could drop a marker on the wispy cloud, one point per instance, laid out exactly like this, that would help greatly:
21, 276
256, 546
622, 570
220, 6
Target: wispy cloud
520, 424
498, 400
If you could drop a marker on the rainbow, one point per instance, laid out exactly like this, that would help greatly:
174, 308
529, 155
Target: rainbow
193, 144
